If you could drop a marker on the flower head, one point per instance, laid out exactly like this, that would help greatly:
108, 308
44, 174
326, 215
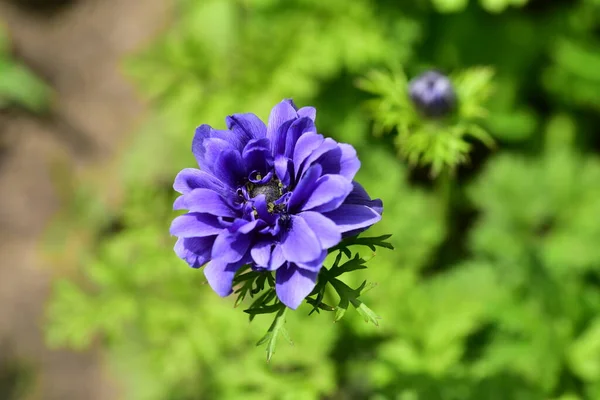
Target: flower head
275, 197
432, 93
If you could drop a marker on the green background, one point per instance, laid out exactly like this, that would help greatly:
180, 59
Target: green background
493, 290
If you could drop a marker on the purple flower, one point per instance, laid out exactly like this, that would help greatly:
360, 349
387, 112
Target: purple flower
275, 197
432, 93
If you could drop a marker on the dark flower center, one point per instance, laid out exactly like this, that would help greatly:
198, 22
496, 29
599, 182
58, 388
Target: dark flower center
271, 190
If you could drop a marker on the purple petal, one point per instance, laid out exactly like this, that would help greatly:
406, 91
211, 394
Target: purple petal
298, 128
195, 251
207, 201
254, 144
329, 193
213, 148
307, 143
305, 187
230, 247
282, 168
250, 226
180, 203
202, 133
209, 142
350, 163
257, 156
349, 217
229, 168
195, 225
314, 265
261, 253
327, 231
360, 196
327, 145
300, 243
247, 126
341, 160
281, 113
309, 112
189, 179
220, 275
278, 142
293, 285
277, 258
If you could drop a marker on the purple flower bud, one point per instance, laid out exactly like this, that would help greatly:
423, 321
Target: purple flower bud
432, 94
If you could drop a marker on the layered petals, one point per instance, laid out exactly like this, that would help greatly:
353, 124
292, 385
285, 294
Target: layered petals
205, 201
275, 197
246, 126
329, 193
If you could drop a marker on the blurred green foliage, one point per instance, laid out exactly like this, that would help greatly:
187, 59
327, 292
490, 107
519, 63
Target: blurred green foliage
18, 85
493, 291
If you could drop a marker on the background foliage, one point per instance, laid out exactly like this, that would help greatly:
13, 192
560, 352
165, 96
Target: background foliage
19, 86
493, 291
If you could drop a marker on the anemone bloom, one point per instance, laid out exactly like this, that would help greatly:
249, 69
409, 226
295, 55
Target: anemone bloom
433, 94
275, 197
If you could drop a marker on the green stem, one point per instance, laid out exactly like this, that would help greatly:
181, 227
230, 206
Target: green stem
444, 191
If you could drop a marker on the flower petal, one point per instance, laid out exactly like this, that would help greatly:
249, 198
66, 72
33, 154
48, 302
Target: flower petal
327, 231
341, 160
230, 247
261, 253
207, 201
202, 133
306, 144
360, 196
304, 188
179, 203
195, 225
349, 217
213, 148
229, 168
195, 251
249, 226
247, 126
281, 113
299, 127
327, 145
283, 168
220, 275
309, 112
300, 243
293, 285
314, 265
208, 142
277, 258
257, 156
329, 193
191, 178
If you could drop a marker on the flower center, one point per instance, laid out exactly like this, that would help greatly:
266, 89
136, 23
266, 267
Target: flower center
271, 190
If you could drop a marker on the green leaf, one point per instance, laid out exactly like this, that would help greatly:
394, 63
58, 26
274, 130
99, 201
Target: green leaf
353, 264
370, 242
350, 296
276, 328
584, 353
